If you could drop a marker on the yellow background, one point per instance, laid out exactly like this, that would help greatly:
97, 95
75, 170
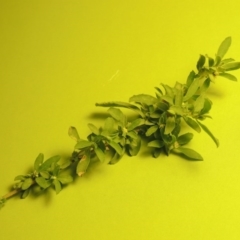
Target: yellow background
57, 58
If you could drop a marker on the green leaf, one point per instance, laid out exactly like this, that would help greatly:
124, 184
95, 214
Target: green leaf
192, 123
93, 128
115, 159
100, 154
179, 94
45, 174
57, 186
209, 133
205, 85
27, 183
144, 99
152, 130
168, 90
109, 124
136, 123
162, 106
38, 161
83, 144
185, 138
159, 91
176, 110
48, 163
156, 152
65, 178
228, 76
156, 144
83, 164
168, 138
118, 115
116, 147
189, 153
207, 106
217, 61
43, 183
134, 146
118, 104
190, 78
210, 62
168, 99
170, 125
199, 103
231, 66
192, 89
66, 163
201, 62
227, 60
20, 177
223, 48
25, 193
133, 134
73, 133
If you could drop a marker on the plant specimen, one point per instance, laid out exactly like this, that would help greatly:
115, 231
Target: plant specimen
158, 121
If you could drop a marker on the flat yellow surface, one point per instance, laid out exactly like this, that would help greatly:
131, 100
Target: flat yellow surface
57, 58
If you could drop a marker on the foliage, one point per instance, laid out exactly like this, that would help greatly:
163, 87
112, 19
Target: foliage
158, 121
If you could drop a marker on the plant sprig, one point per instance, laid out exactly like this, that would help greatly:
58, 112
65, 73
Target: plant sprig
158, 121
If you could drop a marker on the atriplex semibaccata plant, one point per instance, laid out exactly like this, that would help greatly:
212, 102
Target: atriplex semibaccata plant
158, 120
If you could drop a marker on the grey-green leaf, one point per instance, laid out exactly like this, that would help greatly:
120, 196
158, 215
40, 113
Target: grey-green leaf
189, 153
223, 48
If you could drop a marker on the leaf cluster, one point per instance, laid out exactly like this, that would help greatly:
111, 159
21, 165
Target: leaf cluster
158, 120
45, 174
